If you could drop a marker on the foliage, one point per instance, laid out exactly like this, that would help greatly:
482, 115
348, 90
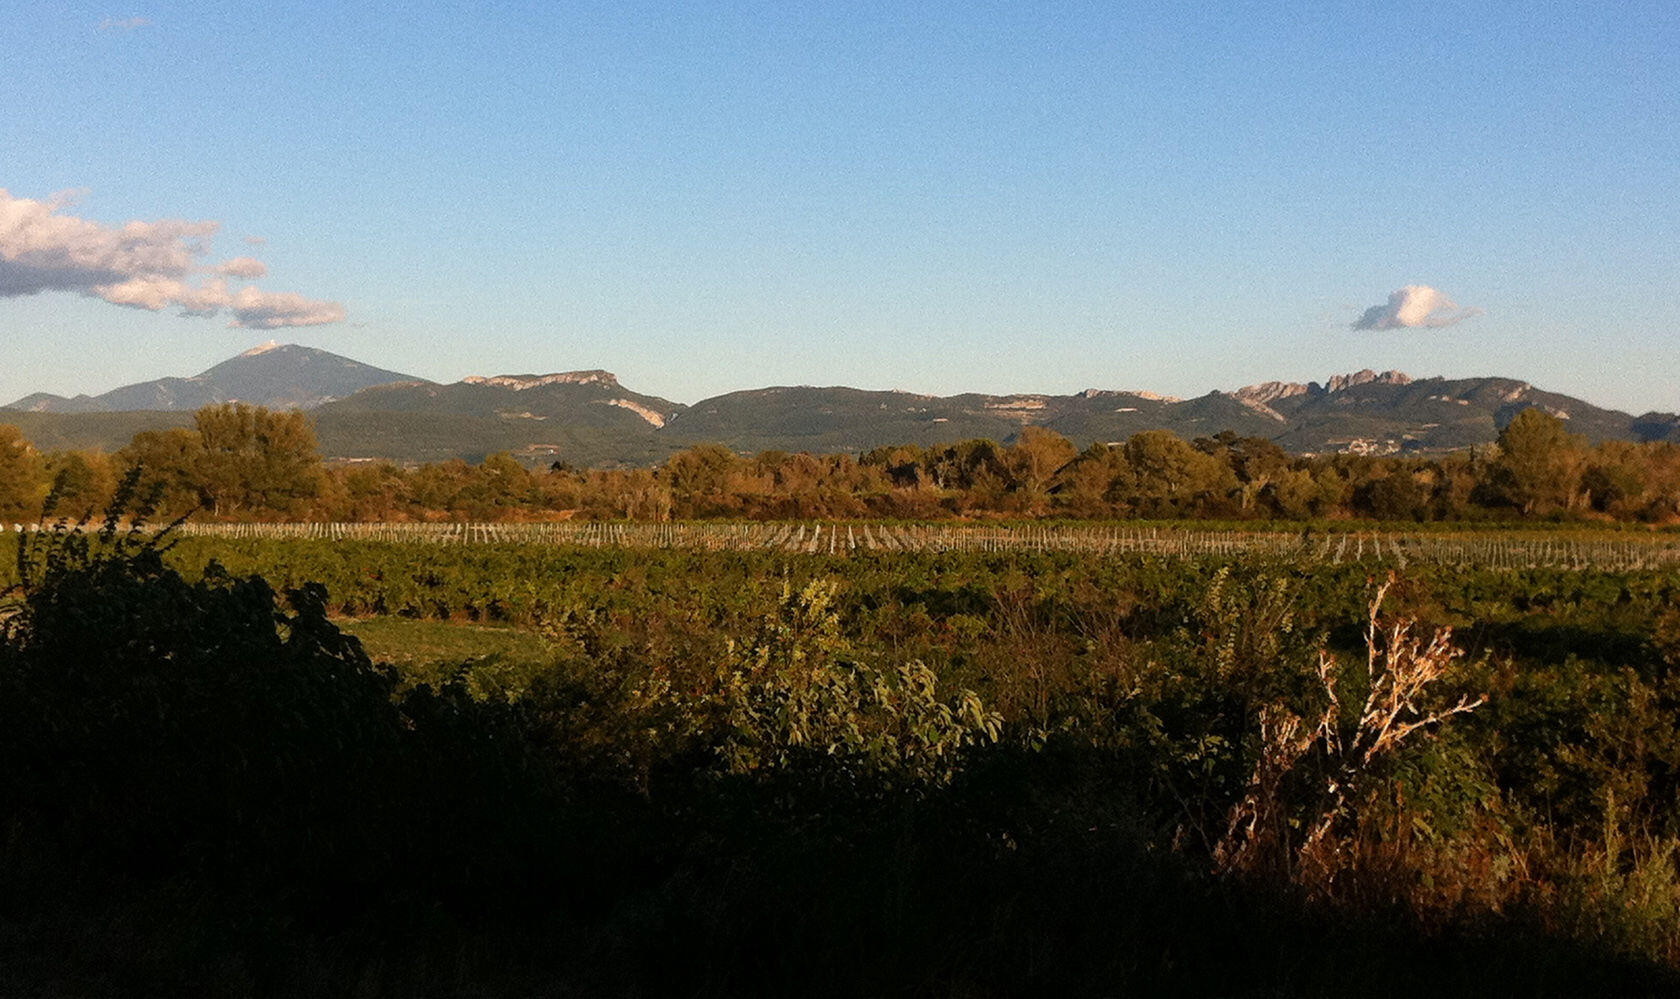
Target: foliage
793, 774
239, 463
1347, 758
20, 474
797, 700
1539, 464
151, 718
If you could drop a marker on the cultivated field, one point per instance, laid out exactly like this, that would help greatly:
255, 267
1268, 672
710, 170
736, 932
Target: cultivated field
1050, 760
1606, 550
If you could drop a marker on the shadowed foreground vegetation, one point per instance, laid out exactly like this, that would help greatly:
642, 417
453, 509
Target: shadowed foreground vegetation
735, 773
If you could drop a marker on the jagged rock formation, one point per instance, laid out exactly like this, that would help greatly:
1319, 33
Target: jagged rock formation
520, 383
1267, 393
1341, 383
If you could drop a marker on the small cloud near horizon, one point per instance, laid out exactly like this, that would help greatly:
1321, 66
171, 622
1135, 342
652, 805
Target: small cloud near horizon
1416, 306
124, 23
246, 268
140, 265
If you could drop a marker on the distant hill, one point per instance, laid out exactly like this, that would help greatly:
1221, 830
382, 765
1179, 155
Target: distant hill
581, 417
846, 419
576, 398
89, 431
279, 376
1393, 412
588, 418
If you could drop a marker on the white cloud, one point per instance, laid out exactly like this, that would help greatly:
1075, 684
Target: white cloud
248, 268
142, 265
267, 310
123, 23
1414, 306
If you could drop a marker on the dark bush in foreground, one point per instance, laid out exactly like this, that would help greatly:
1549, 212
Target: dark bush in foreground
209, 790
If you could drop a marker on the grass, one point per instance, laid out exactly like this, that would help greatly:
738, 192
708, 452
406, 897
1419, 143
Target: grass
407, 642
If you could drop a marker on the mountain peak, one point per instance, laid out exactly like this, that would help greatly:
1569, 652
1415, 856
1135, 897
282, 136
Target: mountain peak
1097, 393
274, 375
520, 383
1340, 383
1266, 393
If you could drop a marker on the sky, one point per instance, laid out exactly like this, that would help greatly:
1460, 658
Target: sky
704, 197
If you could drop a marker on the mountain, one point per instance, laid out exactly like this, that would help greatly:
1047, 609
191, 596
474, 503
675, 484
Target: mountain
279, 376
581, 417
1392, 412
847, 419
588, 418
577, 398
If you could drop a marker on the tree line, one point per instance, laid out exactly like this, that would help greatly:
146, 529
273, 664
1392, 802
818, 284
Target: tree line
242, 462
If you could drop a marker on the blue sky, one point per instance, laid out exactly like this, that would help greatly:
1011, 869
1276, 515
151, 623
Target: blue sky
987, 197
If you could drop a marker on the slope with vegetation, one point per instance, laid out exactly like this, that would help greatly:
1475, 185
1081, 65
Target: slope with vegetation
244, 463
278, 376
587, 418
777, 775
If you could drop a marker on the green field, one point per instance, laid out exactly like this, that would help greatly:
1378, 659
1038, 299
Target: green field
986, 770
412, 643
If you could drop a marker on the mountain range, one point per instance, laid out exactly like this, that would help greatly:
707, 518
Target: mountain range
589, 418
279, 376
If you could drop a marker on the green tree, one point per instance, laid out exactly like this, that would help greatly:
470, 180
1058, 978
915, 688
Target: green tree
1616, 476
1395, 496
22, 480
1035, 458
257, 460
1539, 464
699, 477
970, 464
82, 482
171, 463
1168, 476
900, 463
1083, 486
496, 486
1257, 463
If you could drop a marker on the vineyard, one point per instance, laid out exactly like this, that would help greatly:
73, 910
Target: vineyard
1034, 747
1497, 550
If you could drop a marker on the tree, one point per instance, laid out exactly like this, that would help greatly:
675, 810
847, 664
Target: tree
1395, 496
699, 477
256, 459
1168, 476
1615, 478
22, 484
170, 463
1297, 494
967, 465
495, 486
901, 463
1256, 462
1539, 464
1083, 486
81, 481
1036, 456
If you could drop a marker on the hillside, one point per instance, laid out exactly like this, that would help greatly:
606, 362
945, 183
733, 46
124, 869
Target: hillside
588, 418
580, 417
279, 376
